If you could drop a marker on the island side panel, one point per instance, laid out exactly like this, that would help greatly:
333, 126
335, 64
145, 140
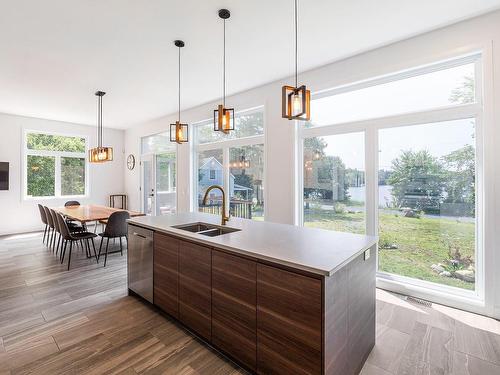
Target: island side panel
349, 319
289, 322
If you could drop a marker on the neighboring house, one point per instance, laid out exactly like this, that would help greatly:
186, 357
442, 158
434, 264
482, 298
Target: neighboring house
211, 173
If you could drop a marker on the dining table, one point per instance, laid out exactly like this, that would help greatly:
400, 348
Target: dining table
91, 213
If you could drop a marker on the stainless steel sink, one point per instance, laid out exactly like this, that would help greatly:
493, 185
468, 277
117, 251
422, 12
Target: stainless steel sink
218, 231
194, 227
206, 229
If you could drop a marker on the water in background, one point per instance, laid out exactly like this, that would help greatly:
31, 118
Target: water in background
384, 194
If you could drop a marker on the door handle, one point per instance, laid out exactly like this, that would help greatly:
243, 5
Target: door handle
139, 235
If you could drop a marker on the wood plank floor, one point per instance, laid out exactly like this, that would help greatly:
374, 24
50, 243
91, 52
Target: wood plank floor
81, 321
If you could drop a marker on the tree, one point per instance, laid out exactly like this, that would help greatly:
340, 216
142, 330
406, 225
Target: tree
464, 93
41, 176
461, 178
417, 181
41, 169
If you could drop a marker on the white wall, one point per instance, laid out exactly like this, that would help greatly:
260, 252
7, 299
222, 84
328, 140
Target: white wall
481, 33
18, 215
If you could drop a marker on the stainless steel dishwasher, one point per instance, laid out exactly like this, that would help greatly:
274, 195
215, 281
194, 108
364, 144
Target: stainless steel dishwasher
140, 261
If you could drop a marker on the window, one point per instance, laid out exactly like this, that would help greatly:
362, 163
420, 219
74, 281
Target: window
334, 182
55, 165
415, 93
246, 174
218, 157
425, 208
247, 124
158, 175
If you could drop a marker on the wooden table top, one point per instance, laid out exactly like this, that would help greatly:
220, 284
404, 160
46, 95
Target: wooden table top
91, 212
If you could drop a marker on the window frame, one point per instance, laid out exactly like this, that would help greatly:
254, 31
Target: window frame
371, 128
57, 155
224, 146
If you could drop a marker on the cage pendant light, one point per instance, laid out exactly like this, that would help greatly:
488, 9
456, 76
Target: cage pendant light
295, 100
224, 117
179, 132
100, 154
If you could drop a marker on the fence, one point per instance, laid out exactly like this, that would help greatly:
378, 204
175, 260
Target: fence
237, 208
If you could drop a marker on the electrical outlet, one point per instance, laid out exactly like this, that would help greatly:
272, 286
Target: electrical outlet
367, 254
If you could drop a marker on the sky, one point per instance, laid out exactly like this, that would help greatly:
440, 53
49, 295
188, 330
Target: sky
412, 94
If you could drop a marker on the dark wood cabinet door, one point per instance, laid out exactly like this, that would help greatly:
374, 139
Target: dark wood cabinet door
234, 306
195, 288
166, 273
289, 322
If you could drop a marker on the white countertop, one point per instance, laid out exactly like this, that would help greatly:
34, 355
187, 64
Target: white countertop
314, 250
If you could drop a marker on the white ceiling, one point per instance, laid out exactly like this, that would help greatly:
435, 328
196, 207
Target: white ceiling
55, 53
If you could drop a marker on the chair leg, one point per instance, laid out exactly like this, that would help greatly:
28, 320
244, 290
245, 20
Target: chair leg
49, 243
69, 256
100, 248
106, 255
87, 248
95, 254
58, 243
63, 253
44, 233
121, 246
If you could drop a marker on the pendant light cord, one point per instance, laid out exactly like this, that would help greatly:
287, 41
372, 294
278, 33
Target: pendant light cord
296, 44
224, 69
179, 115
99, 121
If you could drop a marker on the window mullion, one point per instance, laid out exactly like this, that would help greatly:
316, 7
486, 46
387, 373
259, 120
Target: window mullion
226, 177
57, 182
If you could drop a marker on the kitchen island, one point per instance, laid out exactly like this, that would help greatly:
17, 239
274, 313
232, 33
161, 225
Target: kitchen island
277, 299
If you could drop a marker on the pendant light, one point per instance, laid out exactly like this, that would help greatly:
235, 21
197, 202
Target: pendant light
100, 154
179, 132
224, 117
241, 163
296, 101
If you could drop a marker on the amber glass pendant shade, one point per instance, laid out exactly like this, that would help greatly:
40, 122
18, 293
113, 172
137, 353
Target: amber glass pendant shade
100, 154
224, 119
296, 103
179, 132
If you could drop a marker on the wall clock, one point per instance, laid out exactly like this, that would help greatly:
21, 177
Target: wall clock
131, 162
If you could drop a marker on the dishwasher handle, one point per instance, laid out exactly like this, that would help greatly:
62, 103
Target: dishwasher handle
139, 235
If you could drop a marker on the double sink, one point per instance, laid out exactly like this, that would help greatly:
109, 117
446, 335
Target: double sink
206, 229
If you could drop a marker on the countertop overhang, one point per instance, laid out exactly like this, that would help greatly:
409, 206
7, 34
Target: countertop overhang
317, 251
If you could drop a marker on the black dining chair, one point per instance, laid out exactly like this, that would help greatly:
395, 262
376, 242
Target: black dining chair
116, 227
51, 229
43, 217
71, 203
68, 236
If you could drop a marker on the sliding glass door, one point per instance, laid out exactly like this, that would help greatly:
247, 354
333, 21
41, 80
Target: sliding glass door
158, 175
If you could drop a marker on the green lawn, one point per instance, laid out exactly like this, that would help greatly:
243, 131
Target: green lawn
420, 242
